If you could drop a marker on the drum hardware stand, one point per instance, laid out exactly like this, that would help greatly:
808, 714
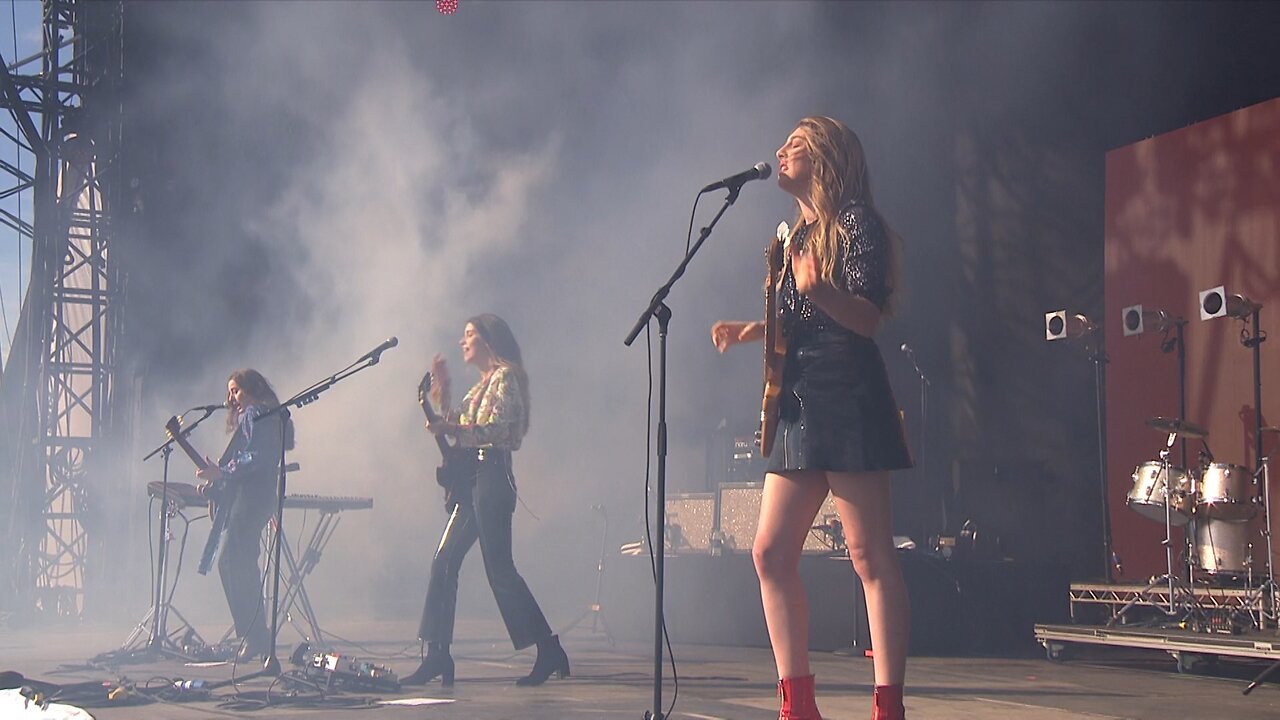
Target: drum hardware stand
595, 611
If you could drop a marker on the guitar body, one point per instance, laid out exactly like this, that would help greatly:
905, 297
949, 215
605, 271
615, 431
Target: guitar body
221, 496
457, 470
775, 344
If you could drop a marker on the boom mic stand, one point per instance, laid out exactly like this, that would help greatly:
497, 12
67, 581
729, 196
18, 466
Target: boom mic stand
271, 665
658, 308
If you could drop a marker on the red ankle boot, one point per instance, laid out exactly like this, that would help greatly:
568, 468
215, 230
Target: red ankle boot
886, 704
797, 699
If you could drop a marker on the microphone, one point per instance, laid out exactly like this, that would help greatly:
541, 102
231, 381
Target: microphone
759, 171
209, 408
911, 354
376, 353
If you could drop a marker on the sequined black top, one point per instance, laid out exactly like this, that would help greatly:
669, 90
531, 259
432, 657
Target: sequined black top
862, 268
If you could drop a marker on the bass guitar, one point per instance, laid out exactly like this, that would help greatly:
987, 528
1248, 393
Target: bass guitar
457, 470
219, 494
775, 341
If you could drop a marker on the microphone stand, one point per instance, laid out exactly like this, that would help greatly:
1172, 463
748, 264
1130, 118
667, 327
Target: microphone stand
924, 423
158, 643
271, 665
1254, 341
658, 308
1098, 356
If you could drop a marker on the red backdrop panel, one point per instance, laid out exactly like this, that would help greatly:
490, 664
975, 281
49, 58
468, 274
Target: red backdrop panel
1187, 211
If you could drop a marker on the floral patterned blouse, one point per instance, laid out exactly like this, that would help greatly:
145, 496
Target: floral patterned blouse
493, 413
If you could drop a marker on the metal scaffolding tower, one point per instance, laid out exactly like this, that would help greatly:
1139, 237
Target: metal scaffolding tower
59, 381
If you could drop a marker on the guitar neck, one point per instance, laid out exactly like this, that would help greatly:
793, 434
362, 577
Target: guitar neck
432, 417
196, 457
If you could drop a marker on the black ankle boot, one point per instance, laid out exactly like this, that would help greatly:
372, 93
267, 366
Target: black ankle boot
437, 663
551, 659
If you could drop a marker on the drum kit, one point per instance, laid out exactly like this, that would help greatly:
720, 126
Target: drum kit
1216, 502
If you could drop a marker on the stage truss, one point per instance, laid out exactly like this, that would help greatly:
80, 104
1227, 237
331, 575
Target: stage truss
68, 117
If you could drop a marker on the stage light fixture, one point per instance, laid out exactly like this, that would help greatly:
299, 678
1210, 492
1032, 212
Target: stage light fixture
1216, 303
1058, 325
1136, 320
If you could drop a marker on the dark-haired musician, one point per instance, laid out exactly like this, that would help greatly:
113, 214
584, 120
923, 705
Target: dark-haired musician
490, 423
246, 476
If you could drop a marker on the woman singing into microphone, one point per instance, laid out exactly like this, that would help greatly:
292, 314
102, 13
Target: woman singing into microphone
839, 430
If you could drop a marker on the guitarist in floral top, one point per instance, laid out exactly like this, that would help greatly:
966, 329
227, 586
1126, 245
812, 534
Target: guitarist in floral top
244, 479
491, 422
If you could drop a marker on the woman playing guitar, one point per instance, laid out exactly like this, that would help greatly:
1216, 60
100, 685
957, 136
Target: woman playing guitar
243, 482
837, 427
489, 425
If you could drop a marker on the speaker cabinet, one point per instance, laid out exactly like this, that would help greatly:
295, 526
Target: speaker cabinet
740, 513
690, 520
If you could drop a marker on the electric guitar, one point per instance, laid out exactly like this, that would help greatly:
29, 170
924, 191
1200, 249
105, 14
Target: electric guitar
775, 341
456, 471
219, 493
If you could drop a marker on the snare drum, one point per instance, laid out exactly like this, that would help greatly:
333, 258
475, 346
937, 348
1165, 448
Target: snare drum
1226, 492
1223, 548
1148, 493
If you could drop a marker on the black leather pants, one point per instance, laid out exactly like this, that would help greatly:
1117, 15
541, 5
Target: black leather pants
487, 519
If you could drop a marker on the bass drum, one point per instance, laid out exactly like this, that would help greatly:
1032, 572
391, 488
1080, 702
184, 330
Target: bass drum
1147, 495
1226, 492
1225, 549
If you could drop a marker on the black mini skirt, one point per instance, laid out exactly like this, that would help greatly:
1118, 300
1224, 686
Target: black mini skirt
837, 411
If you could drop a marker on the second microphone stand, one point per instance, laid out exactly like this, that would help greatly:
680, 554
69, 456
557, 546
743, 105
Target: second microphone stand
271, 665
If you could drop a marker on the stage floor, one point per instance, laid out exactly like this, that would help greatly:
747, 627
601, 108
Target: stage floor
716, 682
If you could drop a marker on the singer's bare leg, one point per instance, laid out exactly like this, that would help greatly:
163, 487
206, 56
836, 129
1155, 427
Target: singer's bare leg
863, 500
787, 508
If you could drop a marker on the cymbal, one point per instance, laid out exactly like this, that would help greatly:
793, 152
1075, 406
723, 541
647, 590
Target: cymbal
1270, 429
1174, 425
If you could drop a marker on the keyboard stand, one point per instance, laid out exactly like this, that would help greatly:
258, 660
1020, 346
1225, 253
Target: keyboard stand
294, 591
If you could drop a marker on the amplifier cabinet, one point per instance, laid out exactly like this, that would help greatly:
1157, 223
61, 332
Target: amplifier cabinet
690, 521
739, 513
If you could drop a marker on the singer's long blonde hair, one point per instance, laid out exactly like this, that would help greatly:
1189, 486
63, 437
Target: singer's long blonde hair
839, 177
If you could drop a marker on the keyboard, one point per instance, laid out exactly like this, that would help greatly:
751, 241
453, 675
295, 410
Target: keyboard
327, 503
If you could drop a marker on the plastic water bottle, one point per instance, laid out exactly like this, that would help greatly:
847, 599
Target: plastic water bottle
190, 684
